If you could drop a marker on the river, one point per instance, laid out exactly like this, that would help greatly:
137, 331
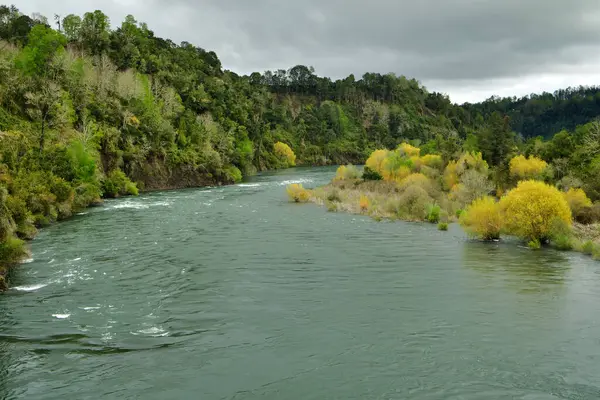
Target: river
234, 293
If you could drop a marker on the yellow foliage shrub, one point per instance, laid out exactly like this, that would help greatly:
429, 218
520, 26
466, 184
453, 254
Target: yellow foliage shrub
417, 163
376, 160
364, 203
297, 193
346, 172
432, 161
409, 151
396, 175
527, 168
532, 208
450, 175
285, 152
577, 200
482, 218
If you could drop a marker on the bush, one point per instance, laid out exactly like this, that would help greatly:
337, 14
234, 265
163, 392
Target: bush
233, 174
577, 200
432, 161
531, 209
588, 247
588, 215
297, 193
334, 196
12, 250
285, 154
527, 168
346, 172
443, 226
407, 150
364, 203
371, 175
433, 213
376, 160
534, 244
482, 219
561, 235
417, 179
86, 194
118, 184
413, 202
331, 207
473, 185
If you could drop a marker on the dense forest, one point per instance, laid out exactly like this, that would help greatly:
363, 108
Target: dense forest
90, 109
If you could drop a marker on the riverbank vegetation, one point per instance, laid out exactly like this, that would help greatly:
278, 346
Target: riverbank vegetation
521, 197
90, 109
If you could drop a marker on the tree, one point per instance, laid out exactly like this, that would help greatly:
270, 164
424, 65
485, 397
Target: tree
530, 210
71, 26
482, 219
94, 31
44, 45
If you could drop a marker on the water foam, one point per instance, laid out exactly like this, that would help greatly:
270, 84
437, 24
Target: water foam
299, 180
30, 288
61, 316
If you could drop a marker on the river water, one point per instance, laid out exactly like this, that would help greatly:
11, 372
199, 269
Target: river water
234, 293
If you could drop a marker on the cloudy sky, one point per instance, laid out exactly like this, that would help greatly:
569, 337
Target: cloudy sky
470, 49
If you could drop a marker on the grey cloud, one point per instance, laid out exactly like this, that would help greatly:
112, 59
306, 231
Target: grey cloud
431, 40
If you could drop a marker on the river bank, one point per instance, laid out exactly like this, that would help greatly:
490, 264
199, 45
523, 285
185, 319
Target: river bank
225, 279
387, 200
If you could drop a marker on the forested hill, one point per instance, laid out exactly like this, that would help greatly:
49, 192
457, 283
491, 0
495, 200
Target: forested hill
544, 114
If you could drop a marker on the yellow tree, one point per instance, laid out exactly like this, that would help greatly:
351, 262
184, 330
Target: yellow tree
532, 208
285, 153
527, 168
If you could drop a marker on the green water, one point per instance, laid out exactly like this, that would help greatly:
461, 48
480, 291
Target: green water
234, 293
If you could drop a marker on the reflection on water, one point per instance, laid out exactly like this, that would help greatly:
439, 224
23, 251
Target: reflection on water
521, 268
234, 293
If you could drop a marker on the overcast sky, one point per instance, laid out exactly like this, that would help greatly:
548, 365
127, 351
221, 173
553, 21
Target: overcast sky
470, 49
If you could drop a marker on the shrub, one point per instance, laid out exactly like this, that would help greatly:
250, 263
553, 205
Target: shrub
376, 160
534, 244
432, 161
12, 250
433, 213
233, 174
413, 202
346, 172
443, 226
588, 247
118, 184
334, 196
473, 185
530, 210
285, 154
364, 203
588, 215
331, 207
482, 219
561, 236
86, 194
417, 179
407, 150
577, 200
371, 175
297, 193
450, 175
527, 168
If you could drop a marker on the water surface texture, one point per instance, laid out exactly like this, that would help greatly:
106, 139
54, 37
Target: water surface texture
234, 293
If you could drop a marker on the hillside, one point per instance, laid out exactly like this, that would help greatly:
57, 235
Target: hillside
88, 111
